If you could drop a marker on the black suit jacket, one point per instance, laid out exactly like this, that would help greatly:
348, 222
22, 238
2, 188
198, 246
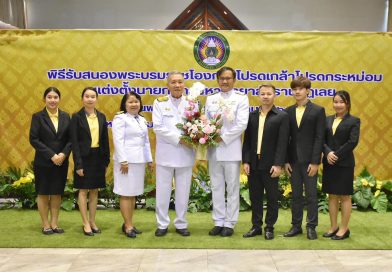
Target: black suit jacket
81, 138
275, 139
344, 141
306, 141
46, 141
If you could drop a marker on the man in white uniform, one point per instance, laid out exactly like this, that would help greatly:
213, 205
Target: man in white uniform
174, 159
224, 160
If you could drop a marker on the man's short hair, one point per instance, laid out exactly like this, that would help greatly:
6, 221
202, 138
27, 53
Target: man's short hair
267, 85
301, 82
173, 73
223, 69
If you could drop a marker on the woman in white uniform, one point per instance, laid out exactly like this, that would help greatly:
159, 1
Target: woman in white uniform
131, 153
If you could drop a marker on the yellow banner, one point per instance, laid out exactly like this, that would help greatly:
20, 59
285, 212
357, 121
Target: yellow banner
121, 60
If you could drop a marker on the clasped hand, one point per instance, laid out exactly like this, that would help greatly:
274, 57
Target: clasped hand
58, 159
332, 158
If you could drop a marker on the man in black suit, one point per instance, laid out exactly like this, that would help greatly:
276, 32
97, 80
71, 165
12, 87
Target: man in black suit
307, 126
263, 155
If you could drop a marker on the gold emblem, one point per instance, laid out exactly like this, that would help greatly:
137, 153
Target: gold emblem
163, 98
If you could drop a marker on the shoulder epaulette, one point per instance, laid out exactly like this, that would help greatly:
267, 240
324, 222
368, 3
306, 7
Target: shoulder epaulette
238, 92
163, 98
213, 93
119, 112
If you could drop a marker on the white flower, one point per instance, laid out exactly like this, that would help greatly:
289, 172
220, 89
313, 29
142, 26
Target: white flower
195, 90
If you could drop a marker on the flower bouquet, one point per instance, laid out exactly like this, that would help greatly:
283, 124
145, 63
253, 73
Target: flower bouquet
197, 129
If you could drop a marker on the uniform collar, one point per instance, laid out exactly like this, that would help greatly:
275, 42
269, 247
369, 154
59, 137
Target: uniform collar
227, 94
53, 114
273, 110
176, 100
133, 115
305, 105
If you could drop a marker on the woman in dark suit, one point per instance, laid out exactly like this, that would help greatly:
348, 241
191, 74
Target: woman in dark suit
49, 135
341, 137
90, 148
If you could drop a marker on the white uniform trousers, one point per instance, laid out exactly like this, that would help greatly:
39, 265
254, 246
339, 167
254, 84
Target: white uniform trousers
225, 174
182, 179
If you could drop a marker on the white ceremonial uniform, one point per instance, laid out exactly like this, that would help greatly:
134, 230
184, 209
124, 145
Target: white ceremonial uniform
224, 160
173, 160
132, 145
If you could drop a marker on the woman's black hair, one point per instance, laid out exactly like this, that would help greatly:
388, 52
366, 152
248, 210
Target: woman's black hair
125, 98
52, 89
345, 96
91, 89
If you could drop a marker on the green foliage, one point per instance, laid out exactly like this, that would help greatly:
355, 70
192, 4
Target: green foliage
67, 204
200, 197
362, 198
244, 197
150, 203
18, 186
370, 192
69, 198
285, 191
388, 186
380, 203
14, 173
147, 199
321, 196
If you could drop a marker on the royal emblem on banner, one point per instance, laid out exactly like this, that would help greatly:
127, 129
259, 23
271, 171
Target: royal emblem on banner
211, 50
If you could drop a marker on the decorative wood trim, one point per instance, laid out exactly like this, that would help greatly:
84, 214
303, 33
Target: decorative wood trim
200, 14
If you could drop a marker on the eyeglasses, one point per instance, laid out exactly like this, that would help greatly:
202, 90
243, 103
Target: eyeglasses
225, 78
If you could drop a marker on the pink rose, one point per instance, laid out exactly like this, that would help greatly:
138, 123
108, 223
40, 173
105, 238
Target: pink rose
207, 129
202, 141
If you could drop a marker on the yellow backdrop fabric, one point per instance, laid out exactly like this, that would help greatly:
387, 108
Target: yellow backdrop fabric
121, 60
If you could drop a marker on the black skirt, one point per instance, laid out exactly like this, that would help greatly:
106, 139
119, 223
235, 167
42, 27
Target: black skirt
338, 180
94, 172
50, 180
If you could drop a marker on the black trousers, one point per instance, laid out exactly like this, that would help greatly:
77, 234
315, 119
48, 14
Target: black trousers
299, 181
258, 181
